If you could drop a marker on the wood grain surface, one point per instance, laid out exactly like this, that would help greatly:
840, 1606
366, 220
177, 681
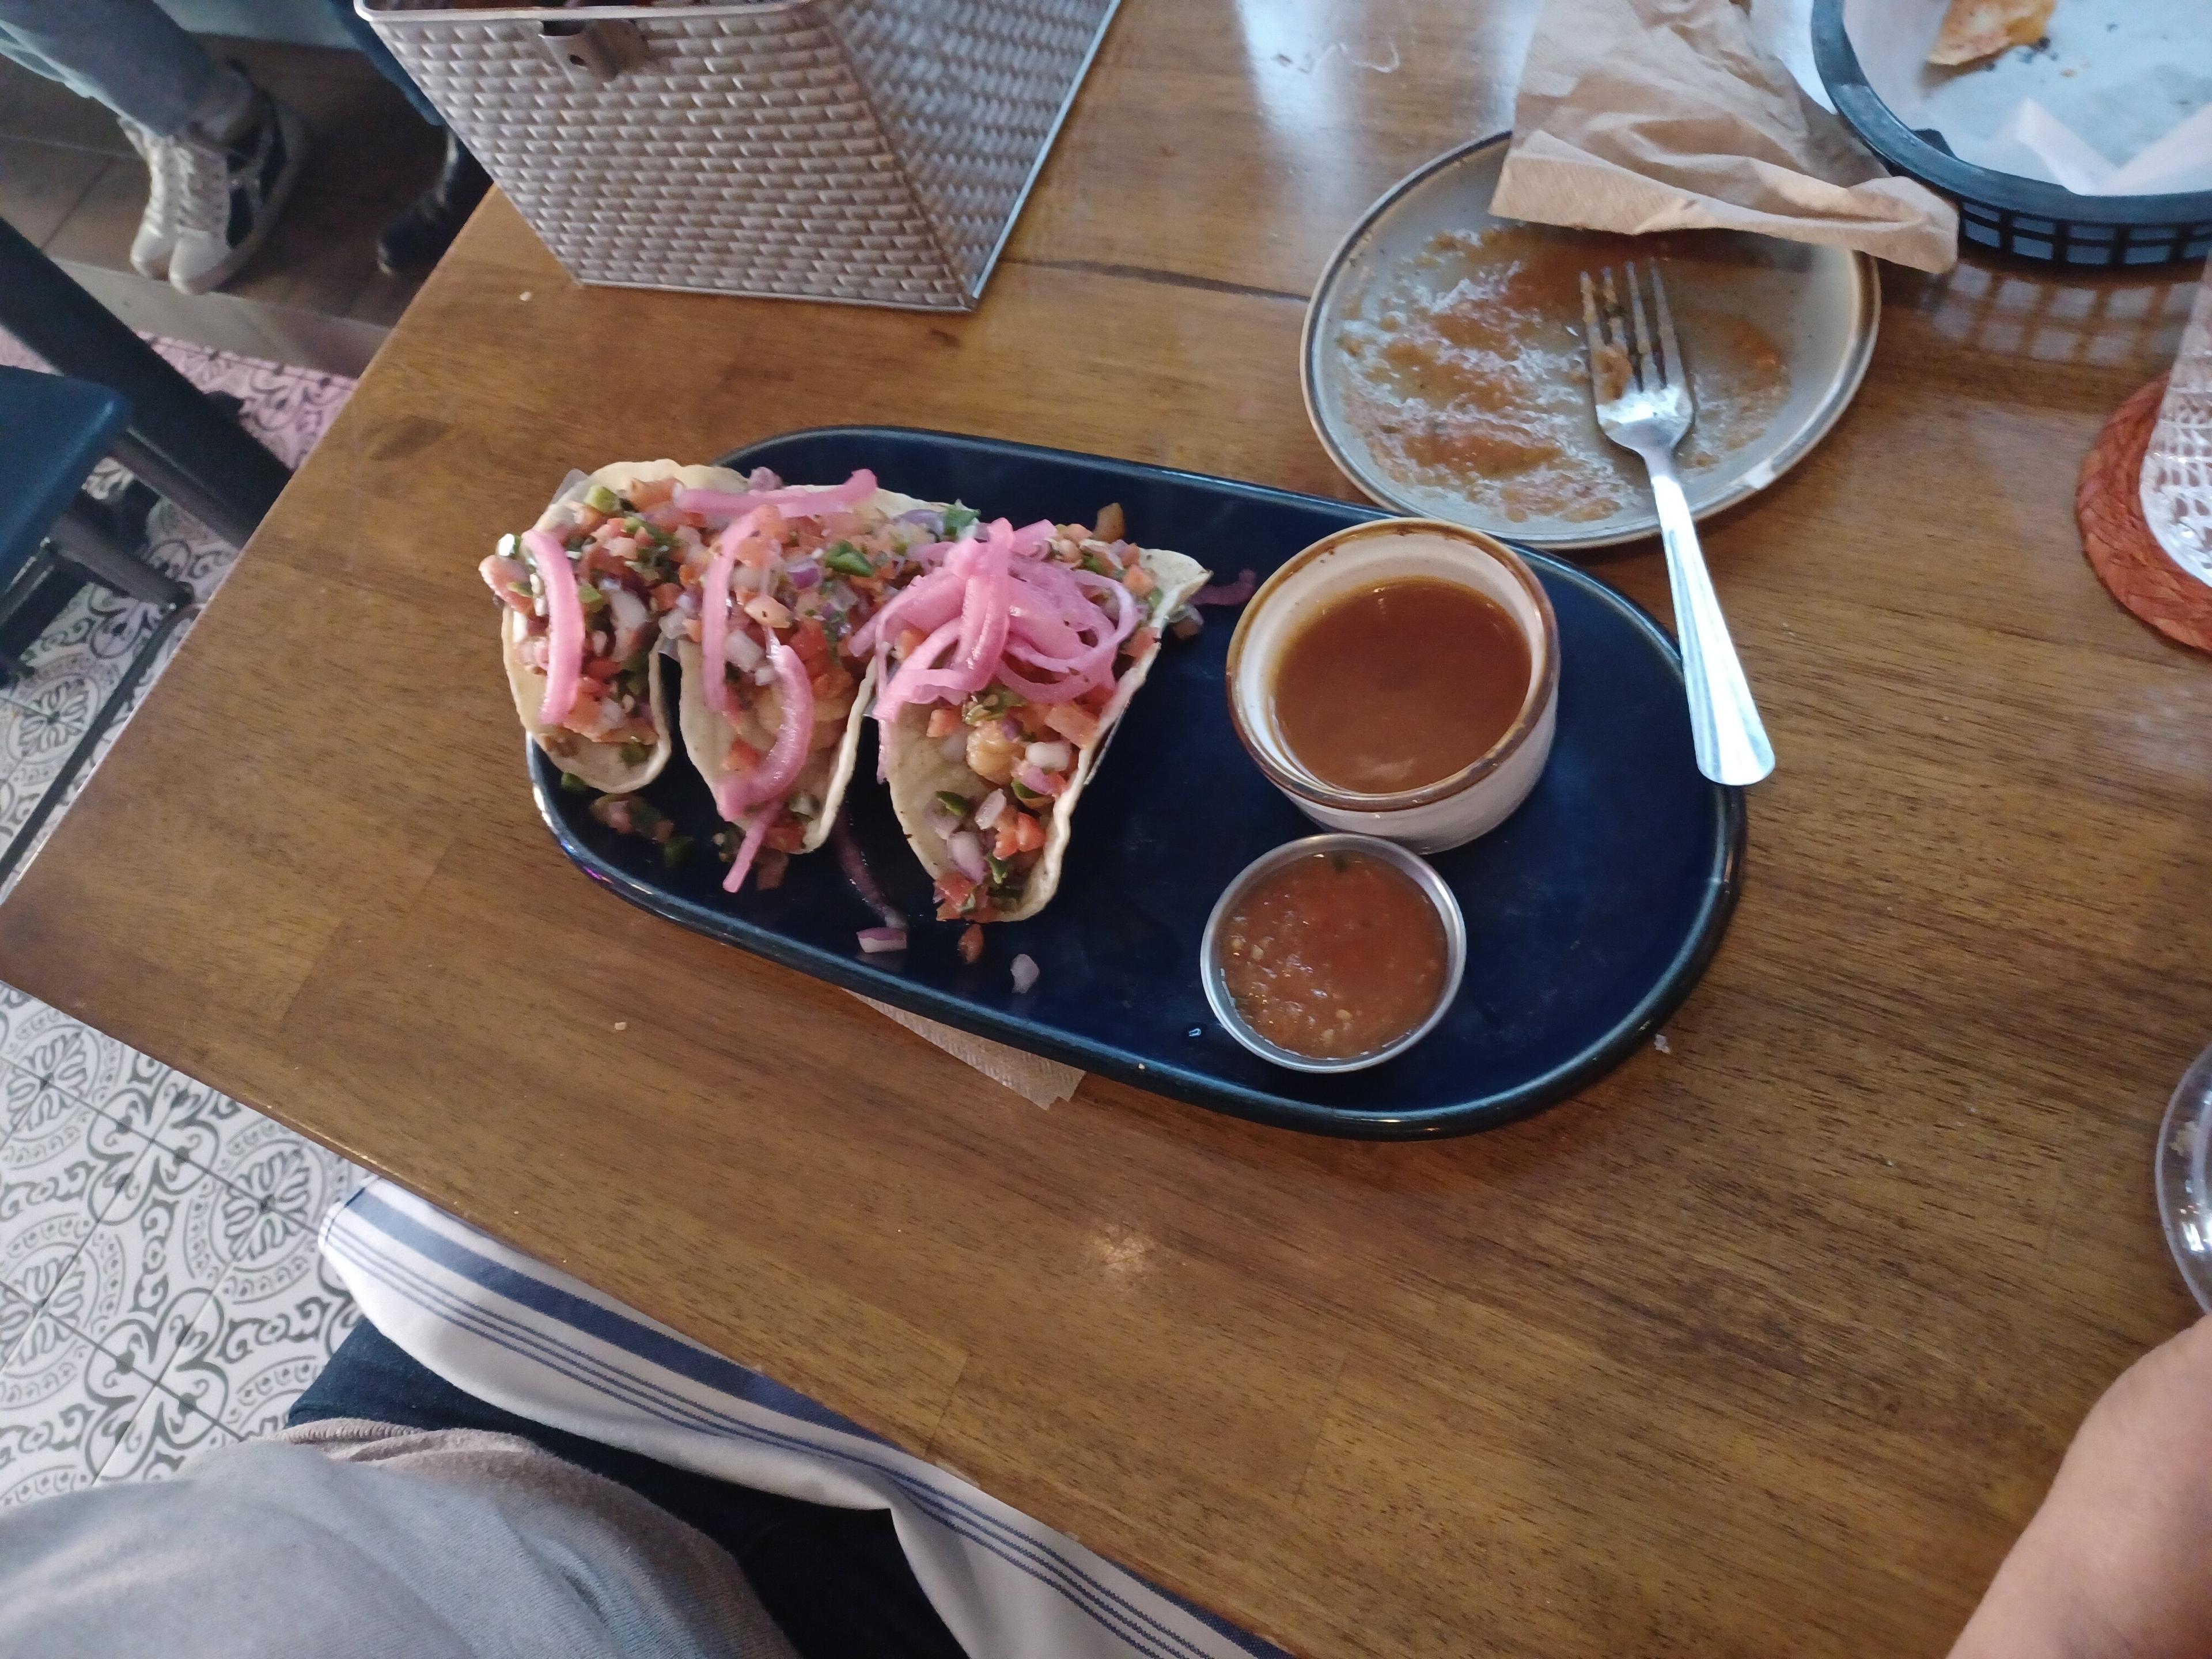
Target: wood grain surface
1766, 1344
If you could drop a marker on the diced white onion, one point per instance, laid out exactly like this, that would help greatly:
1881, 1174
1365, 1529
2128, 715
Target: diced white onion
742, 650
967, 853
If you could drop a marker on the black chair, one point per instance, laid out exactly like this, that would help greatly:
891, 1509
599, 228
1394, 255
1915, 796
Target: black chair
113, 395
178, 443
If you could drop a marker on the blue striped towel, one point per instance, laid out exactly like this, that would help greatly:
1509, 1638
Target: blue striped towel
515, 1332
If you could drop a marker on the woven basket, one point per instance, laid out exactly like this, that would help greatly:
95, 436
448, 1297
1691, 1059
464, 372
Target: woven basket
872, 151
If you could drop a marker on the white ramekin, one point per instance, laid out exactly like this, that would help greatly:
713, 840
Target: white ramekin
1472, 801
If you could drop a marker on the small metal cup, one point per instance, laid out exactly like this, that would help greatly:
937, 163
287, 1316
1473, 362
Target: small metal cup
1448, 911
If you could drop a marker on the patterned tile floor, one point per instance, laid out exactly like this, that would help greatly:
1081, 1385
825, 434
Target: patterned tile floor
159, 1286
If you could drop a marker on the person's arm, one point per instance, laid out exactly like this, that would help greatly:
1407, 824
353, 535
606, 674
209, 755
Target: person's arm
2117, 1563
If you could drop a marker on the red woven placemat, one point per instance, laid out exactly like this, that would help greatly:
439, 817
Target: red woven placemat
2125, 555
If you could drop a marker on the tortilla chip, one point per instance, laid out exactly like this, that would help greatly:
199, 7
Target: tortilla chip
1974, 29
922, 768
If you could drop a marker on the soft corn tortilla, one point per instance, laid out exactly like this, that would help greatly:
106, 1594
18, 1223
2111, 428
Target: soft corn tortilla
920, 768
707, 735
599, 764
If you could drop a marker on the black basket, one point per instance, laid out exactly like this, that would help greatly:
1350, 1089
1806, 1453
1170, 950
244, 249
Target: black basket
2022, 217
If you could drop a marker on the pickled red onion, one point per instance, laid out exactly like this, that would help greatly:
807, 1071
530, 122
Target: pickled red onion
1019, 615
983, 623
1031, 539
1125, 602
899, 691
767, 783
796, 501
927, 604
564, 617
748, 850
715, 616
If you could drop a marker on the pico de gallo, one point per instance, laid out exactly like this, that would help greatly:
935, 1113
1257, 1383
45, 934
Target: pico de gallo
774, 586
1006, 656
588, 586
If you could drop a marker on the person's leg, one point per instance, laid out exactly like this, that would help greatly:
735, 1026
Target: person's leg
373, 48
126, 53
418, 238
221, 155
835, 1581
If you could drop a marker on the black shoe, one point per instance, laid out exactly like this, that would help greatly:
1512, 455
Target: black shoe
418, 238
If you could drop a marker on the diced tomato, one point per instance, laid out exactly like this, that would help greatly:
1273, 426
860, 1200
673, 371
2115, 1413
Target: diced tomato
786, 835
602, 669
644, 495
742, 756
971, 944
666, 596
1140, 642
812, 644
1138, 580
1009, 840
1031, 717
955, 895
1095, 700
944, 720
588, 518
1029, 833
1076, 724
908, 640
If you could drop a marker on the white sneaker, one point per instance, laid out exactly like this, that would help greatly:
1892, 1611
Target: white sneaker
157, 226
229, 193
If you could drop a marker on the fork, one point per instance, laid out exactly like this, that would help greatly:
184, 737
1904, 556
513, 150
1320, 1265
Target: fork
1644, 405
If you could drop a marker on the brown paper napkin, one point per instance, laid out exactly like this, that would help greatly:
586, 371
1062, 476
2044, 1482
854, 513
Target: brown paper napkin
1647, 115
1040, 1082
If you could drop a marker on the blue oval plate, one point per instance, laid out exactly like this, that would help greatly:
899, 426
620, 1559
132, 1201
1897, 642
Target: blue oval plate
1590, 913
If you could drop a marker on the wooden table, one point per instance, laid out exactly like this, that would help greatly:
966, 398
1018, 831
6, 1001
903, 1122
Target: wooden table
1768, 1343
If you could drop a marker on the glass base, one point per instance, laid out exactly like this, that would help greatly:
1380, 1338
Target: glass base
2184, 1191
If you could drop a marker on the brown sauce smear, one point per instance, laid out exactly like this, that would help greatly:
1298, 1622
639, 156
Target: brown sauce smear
1467, 374
1400, 685
1334, 955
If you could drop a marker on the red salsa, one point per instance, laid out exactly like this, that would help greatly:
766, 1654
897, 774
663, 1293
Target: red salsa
1334, 955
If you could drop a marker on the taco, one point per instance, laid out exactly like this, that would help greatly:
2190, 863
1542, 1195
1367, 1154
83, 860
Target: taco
1003, 670
773, 584
584, 592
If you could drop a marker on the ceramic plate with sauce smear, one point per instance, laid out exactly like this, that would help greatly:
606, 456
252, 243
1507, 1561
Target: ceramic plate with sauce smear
1443, 370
